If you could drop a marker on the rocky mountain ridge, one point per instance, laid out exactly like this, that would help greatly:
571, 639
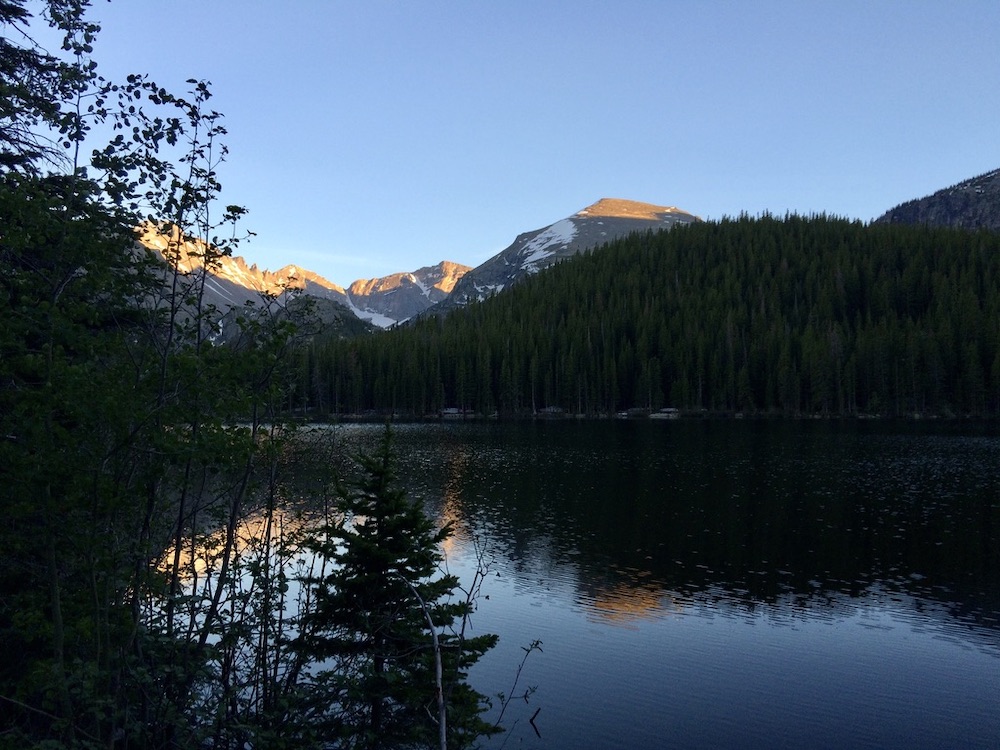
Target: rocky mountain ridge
970, 204
388, 300
606, 220
381, 301
401, 296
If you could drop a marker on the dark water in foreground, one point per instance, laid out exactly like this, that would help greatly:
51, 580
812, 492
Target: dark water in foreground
728, 584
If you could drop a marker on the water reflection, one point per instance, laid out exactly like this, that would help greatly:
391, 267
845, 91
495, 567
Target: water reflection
457, 461
776, 583
625, 599
766, 513
198, 555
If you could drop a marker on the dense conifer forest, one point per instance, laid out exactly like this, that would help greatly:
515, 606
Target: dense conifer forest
793, 316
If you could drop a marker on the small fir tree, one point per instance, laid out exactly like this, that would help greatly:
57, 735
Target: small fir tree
382, 676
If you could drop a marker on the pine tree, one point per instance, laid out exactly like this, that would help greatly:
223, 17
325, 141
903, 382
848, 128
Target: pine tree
369, 630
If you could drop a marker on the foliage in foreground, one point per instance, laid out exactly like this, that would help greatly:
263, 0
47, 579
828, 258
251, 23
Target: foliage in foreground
378, 604
145, 596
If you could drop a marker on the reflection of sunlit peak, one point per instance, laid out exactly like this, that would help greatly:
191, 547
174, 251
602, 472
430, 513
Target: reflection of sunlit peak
451, 511
623, 604
255, 532
451, 514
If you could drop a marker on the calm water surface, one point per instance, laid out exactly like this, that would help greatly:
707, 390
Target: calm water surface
705, 584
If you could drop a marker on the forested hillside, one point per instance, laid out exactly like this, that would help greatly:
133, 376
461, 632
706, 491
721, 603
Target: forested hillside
795, 316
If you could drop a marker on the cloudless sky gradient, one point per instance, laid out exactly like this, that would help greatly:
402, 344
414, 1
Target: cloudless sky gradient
372, 136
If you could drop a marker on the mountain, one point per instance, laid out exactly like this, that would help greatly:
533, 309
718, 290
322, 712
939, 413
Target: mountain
388, 300
233, 282
972, 204
606, 220
402, 295
381, 301
232, 285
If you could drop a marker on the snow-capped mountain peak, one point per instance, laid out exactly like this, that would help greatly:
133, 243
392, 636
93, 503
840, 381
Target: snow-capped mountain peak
391, 299
605, 220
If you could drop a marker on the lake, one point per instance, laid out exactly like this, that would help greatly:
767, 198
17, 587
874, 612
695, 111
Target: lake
740, 583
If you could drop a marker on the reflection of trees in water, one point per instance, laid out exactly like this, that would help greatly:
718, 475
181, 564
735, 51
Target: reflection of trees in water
800, 520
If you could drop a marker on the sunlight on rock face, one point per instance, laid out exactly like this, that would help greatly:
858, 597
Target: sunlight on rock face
618, 208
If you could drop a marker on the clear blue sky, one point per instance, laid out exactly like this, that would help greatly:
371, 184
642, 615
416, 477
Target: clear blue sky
372, 136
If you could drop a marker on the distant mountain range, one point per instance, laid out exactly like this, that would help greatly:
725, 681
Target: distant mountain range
392, 299
381, 301
388, 300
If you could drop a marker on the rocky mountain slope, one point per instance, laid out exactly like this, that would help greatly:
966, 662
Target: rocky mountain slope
381, 301
972, 204
606, 220
233, 282
403, 295
232, 285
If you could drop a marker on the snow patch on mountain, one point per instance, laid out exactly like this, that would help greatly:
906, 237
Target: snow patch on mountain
485, 290
372, 316
584, 231
218, 288
420, 285
546, 243
400, 296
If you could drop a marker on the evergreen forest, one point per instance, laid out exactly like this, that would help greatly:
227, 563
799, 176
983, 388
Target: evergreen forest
770, 316
165, 579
